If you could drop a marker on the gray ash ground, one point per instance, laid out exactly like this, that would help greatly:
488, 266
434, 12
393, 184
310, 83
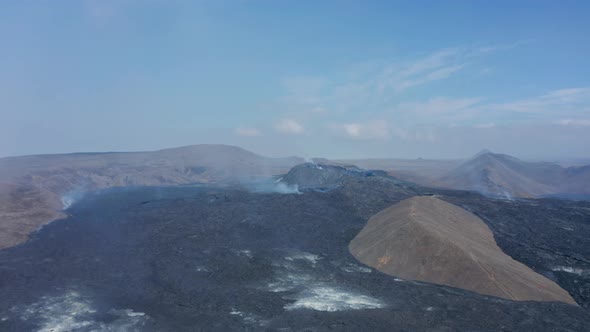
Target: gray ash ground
190, 259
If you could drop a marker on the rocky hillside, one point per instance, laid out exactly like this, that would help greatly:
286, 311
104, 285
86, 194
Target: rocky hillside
34, 189
313, 176
505, 176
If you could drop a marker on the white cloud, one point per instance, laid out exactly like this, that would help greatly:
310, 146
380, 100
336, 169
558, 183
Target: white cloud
574, 122
289, 126
378, 89
438, 105
501, 47
417, 134
352, 129
376, 85
442, 64
318, 110
562, 106
247, 132
378, 129
562, 100
427, 77
383, 130
426, 63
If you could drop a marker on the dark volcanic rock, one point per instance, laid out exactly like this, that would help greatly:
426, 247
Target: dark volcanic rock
322, 177
186, 259
549, 235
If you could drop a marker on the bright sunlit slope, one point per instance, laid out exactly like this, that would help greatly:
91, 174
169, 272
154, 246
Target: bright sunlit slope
424, 238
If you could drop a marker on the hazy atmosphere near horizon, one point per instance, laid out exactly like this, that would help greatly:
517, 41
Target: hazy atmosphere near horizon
271, 165
337, 79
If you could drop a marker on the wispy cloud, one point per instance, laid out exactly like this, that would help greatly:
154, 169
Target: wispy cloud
377, 85
288, 126
502, 47
247, 132
382, 90
399, 76
562, 100
485, 125
574, 122
383, 130
435, 75
438, 105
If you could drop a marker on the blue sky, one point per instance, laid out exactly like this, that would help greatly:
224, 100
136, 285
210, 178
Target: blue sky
339, 79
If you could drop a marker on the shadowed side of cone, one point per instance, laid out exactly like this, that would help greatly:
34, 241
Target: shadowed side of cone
427, 239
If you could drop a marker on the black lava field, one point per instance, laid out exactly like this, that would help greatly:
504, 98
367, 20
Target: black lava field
215, 258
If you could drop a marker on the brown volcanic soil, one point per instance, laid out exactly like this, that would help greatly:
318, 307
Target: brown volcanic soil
23, 209
424, 238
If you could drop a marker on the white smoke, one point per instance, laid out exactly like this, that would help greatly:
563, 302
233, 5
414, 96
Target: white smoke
283, 188
507, 195
69, 198
66, 202
311, 161
271, 186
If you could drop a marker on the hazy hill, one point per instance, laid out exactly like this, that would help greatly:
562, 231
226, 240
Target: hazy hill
578, 181
424, 238
421, 171
33, 189
503, 175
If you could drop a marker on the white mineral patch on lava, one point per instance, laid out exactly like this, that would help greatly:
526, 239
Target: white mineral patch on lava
202, 269
326, 298
245, 252
304, 256
289, 281
309, 290
569, 269
248, 317
352, 268
72, 311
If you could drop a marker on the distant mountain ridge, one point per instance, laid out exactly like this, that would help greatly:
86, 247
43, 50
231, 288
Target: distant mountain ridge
502, 175
32, 188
